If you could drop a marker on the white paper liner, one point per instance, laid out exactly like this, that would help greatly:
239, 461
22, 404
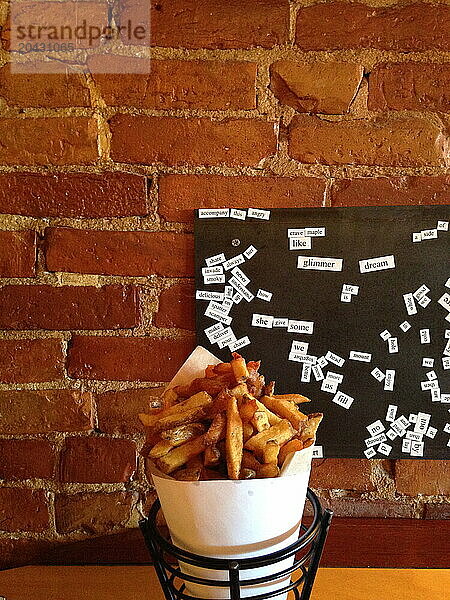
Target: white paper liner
233, 519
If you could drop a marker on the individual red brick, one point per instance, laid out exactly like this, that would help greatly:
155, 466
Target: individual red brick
127, 358
25, 361
169, 140
179, 194
437, 511
97, 459
92, 513
73, 194
48, 141
68, 307
118, 411
337, 25
164, 84
381, 191
327, 87
17, 253
120, 252
406, 141
410, 86
176, 307
81, 19
23, 510
57, 88
26, 459
212, 23
430, 477
44, 411
341, 473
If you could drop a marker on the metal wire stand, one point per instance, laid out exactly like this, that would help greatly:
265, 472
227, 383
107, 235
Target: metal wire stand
307, 551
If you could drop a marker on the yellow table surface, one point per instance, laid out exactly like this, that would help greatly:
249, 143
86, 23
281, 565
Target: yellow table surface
140, 583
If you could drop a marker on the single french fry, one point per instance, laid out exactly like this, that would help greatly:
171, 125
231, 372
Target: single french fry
281, 432
239, 368
309, 427
189, 474
212, 456
296, 398
249, 461
200, 399
260, 420
285, 409
247, 407
184, 417
268, 470
270, 452
216, 430
292, 446
273, 418
160, 449
180, 455
183, 433
247, 473
234, 439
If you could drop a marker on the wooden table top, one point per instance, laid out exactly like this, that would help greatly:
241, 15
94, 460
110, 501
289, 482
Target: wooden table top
140, 583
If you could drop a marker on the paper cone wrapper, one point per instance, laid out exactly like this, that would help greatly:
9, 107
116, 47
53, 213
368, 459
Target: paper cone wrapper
233, 519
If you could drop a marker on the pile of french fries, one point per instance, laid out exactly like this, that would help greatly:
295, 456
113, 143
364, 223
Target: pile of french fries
227, 425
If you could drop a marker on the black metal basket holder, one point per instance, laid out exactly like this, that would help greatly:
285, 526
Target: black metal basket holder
307, 551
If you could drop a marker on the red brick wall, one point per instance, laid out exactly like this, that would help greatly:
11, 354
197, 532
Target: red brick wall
262, 103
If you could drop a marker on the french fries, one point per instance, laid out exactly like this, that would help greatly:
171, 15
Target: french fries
226, 425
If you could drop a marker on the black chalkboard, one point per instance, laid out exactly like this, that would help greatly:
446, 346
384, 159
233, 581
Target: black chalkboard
380, 237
